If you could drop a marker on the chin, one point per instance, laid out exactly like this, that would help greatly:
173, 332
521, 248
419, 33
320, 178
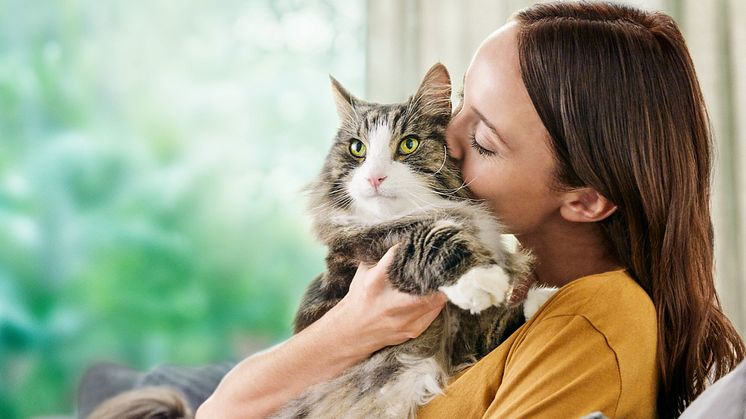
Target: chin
382, 207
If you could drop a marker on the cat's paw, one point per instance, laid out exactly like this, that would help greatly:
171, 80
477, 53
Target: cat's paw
478, 289
535, 298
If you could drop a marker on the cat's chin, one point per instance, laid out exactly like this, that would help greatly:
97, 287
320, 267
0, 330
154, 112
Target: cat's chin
381, 208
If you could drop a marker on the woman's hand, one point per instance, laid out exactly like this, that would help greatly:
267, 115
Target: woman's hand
374, 314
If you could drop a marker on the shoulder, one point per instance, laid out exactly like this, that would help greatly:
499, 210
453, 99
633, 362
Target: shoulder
586, 294
602, 327
581, 352
612, 303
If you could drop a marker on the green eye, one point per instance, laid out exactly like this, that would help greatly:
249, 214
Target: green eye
357, 148
408, 145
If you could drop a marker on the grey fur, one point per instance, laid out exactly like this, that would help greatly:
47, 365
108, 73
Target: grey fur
440, 242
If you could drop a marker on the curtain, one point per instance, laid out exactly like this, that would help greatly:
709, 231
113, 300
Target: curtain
405, 37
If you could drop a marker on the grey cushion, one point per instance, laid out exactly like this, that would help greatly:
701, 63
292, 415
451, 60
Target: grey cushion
105, 380
725, 399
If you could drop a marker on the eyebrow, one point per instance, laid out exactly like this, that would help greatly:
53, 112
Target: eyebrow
490, 126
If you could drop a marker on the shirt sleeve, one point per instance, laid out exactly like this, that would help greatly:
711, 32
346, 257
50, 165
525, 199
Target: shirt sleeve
563, 368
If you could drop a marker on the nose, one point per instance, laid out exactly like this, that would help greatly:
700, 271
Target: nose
376, 181
453, 132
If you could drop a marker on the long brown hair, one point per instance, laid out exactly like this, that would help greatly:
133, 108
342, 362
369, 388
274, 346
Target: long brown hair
617, 91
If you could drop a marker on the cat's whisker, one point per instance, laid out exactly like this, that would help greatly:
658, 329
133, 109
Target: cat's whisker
463, 185
432, 189
333, 182
336, 195
445, 158
343, 201
427, 204
414, 202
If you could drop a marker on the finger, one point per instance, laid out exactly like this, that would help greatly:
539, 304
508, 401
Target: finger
360, 278
364, 267
387, 257
374, 277
379, 272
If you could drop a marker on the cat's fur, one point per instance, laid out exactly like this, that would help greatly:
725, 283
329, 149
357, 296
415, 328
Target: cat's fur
447, 242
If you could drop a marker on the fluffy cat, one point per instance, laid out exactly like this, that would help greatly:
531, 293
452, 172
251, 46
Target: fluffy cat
388, 179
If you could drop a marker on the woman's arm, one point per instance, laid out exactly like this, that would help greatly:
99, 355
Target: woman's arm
372, 315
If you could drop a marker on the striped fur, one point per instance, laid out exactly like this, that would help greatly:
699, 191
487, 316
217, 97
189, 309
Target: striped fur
448, 242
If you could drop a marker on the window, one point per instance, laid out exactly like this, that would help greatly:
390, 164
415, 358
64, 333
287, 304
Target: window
153, 155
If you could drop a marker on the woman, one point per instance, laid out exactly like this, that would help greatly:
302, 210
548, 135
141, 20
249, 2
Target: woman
584, 128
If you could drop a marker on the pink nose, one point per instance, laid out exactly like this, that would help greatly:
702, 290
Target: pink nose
376, 181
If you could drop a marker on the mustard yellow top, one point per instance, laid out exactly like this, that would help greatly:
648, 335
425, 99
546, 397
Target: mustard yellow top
591, 347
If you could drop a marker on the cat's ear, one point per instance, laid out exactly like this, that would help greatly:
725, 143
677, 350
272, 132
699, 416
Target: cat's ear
435, 88
344, 100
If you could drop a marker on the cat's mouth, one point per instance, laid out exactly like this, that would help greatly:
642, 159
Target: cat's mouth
382, 196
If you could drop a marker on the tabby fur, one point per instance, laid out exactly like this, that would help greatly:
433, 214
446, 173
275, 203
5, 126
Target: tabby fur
446, 240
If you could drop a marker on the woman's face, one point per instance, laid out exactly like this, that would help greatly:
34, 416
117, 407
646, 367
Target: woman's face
499, 139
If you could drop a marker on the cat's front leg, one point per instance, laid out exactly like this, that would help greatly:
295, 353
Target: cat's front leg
320, 296
448, 256
535, 298
479, 288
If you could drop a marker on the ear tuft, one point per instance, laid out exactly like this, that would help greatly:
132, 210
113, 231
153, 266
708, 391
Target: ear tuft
343, 99
435, 88
437, 75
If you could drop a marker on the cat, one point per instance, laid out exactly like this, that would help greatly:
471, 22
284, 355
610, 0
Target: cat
388, 179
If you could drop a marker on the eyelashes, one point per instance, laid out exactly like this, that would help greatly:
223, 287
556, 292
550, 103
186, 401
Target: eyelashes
481, 150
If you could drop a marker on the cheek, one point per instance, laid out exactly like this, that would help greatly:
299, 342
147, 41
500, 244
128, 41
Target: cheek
516, 193
488, 182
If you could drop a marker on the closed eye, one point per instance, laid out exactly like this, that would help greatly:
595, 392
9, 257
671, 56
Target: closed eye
481, 150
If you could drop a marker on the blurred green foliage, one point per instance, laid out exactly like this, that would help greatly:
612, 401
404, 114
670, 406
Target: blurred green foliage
152, 155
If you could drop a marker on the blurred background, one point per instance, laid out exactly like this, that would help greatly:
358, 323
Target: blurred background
152, 155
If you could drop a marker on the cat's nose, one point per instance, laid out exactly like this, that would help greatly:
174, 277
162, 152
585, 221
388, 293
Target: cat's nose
376, 181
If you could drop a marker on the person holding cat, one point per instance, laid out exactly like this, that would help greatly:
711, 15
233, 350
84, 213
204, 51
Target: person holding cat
582, 127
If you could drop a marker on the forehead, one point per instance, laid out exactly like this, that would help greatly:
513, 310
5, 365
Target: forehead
493, 81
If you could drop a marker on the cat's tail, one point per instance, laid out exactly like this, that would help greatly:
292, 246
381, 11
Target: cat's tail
145, 403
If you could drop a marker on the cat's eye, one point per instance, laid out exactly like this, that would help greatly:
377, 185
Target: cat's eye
357, 148
408, 145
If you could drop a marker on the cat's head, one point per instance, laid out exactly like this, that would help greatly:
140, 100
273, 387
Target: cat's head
390, 160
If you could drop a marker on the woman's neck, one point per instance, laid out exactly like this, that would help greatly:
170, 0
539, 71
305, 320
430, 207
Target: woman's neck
567, 251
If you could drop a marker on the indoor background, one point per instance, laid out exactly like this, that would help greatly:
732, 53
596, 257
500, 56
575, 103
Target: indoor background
152, 156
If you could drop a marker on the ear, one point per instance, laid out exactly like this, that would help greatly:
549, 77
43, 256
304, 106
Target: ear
586, 205
435, 89
344, 100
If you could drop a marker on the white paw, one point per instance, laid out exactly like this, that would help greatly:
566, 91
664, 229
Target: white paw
535, 298
478, 289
